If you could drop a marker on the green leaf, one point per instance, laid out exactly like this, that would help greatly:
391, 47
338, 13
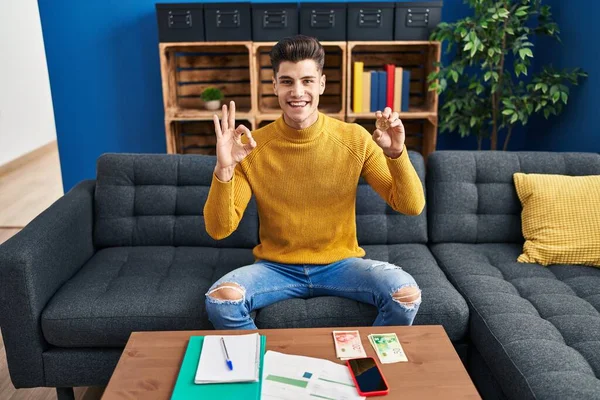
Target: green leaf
487, 76
510, 31
503, 12
564, 96
491, 52
514, 118
479, 89
454, 75
520, 13
555, 97
525, 52
546, 113
508, 111
473, 121
468, 46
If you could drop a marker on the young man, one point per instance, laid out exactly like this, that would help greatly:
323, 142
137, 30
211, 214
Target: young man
303, 170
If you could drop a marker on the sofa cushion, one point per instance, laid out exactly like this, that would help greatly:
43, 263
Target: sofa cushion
560, 218
441, 305
538, 328
120, 290
471, 195
158, 200
378, 223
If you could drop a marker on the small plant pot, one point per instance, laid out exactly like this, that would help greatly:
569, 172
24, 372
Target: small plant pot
212, 104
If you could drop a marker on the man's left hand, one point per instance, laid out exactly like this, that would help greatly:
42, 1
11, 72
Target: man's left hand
392, 139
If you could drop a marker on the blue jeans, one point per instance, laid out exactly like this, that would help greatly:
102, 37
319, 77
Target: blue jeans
265, 282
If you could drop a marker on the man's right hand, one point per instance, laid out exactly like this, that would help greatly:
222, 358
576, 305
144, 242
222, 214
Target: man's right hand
230, 149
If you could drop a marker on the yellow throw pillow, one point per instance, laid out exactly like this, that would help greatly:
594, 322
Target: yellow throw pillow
560, 218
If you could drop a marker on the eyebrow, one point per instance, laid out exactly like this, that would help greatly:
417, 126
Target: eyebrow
304, 77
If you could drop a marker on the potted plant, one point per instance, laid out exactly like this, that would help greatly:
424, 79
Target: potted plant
487, 86
212, 98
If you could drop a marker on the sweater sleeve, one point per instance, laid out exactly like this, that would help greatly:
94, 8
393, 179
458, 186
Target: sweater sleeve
226, 204
395, 180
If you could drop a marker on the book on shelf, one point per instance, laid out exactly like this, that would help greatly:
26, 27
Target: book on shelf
382, 90
377, 89
397, 88
357, 91
374, 91
389, 94
366, 77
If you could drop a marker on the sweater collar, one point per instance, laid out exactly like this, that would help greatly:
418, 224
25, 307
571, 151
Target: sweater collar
300, 135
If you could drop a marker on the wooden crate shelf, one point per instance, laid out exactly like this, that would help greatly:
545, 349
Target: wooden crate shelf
189, 68
243, 71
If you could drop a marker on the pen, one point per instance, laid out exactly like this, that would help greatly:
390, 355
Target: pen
227, 359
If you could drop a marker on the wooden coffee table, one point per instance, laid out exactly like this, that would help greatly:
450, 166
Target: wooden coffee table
150, 362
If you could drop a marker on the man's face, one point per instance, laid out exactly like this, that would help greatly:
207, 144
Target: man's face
298, 87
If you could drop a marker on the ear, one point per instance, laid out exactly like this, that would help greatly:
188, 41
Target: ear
322, 84
274, 85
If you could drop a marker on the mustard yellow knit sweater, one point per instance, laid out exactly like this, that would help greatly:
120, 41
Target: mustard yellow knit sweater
305, 182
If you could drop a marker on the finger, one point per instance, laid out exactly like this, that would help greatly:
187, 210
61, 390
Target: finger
224, 124
396, 123
394, 116
239, 131
378, 114
377, 135
386, 112
232, 113
218, 132
251, 140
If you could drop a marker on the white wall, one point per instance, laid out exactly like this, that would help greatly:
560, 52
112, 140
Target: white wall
26, 115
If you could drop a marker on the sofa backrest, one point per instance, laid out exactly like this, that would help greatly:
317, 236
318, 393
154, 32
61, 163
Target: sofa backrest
472, 197
378, 223
158, 200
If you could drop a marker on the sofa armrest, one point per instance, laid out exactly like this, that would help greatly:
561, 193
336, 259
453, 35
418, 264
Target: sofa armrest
34, 264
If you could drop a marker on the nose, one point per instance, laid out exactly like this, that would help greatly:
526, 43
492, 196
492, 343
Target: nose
297, 90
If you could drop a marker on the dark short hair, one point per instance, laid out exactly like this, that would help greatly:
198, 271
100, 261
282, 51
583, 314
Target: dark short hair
297, 48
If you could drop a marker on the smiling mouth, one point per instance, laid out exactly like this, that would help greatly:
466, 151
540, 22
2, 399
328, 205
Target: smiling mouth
298, 104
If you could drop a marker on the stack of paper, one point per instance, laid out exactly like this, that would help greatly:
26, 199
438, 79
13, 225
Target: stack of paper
244, 352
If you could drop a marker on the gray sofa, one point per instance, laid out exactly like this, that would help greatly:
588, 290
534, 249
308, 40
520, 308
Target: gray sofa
129, 252
535, 331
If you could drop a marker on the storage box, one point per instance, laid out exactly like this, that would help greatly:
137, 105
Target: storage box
416, 20
370, 21
227, 22
325, 21
180, 22
272, 22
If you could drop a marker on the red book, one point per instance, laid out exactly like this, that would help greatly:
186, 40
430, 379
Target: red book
389, 96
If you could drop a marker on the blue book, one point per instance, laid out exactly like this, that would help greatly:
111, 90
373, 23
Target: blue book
405, 89
185, 388
382, 95
374, 91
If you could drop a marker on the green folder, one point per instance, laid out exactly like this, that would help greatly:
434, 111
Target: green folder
185, 388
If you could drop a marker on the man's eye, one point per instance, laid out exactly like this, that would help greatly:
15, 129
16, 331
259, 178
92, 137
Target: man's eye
308, 81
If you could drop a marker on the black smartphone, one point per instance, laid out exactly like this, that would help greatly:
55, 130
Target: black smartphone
367, 376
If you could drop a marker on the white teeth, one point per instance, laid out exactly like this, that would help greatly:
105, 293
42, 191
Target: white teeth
298, 104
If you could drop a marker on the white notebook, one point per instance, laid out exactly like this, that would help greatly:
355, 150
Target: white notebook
244, 352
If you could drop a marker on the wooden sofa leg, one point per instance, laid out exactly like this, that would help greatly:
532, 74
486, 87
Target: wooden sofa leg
65, 393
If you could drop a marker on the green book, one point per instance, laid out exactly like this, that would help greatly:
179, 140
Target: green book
185, 388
